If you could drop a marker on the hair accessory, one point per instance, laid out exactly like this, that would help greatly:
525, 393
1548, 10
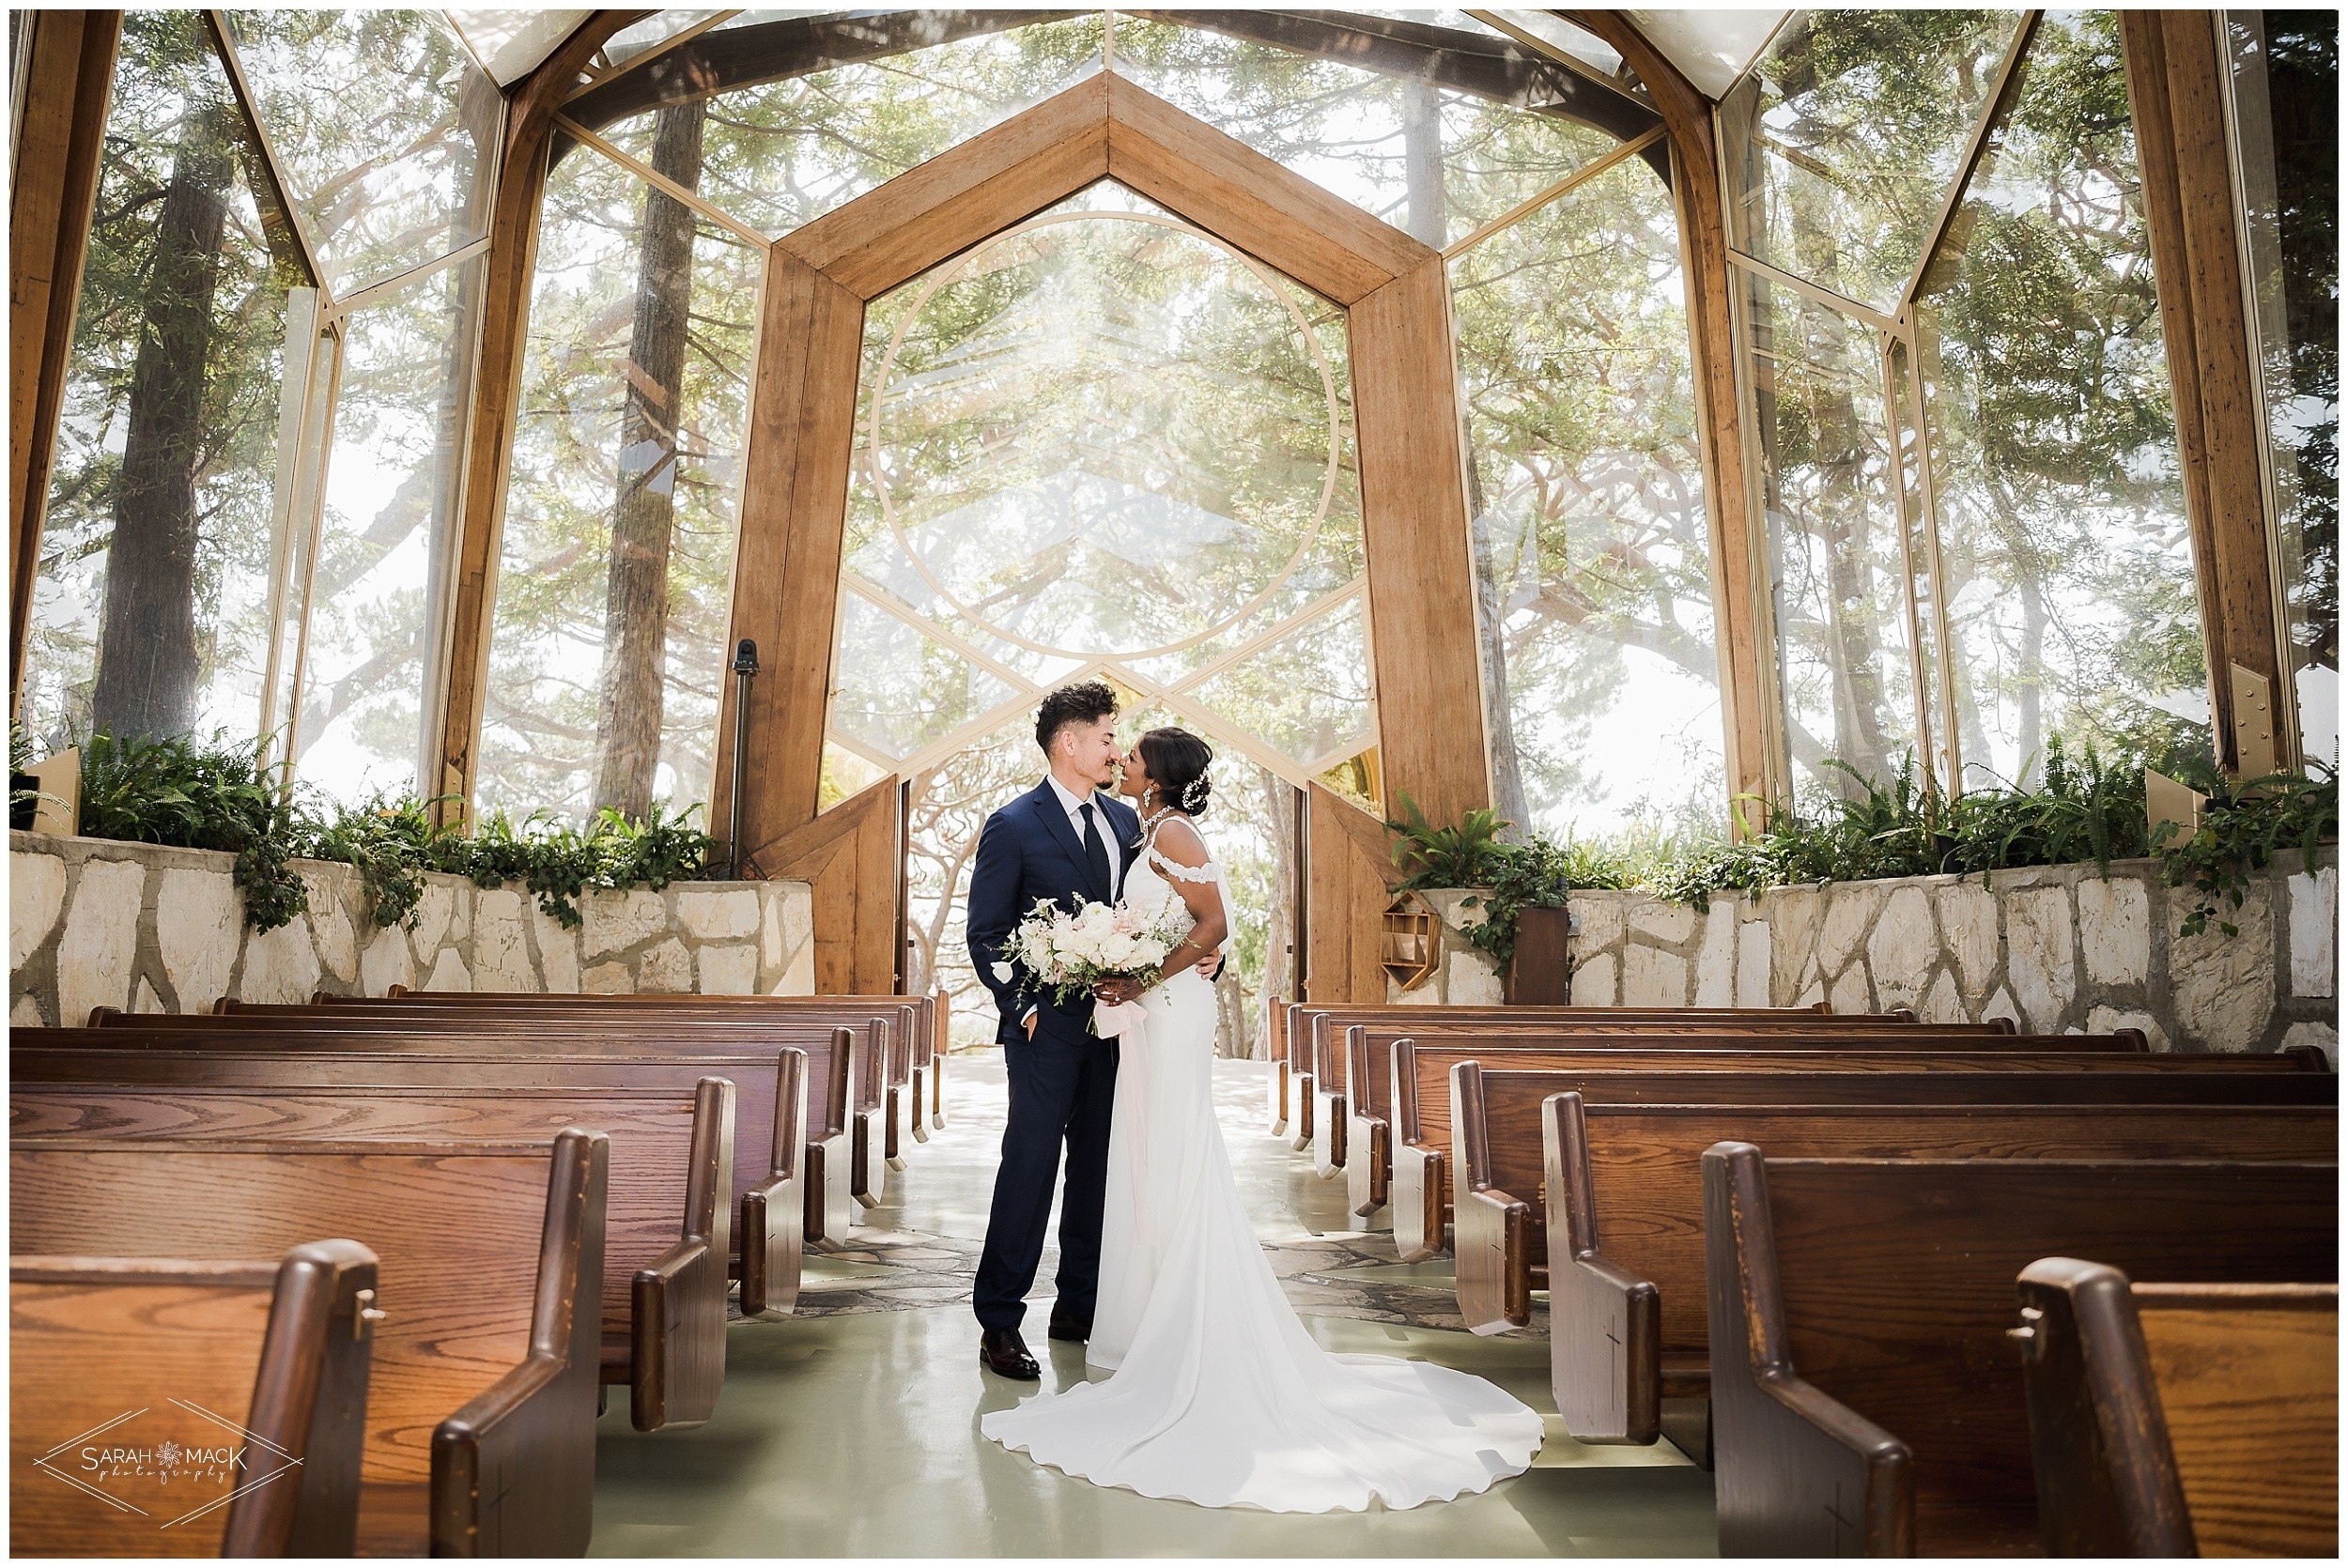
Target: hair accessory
1195, 794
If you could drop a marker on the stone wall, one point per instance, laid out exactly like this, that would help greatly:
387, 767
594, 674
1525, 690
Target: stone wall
2054, 947
97, 922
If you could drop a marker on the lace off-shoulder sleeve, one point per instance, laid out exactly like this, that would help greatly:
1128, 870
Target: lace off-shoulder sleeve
1181, 873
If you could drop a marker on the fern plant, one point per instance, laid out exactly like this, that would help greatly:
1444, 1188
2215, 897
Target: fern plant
1467, 856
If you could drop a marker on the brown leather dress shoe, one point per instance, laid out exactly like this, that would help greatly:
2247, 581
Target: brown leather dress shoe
1005, 1354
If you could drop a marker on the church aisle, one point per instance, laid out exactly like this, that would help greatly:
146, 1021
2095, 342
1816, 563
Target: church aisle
852, 1428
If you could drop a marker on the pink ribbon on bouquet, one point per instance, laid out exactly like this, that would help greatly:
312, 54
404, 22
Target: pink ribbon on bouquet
1111, 1020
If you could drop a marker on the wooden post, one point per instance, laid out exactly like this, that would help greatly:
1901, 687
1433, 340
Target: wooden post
59, 146
1350, 876
1740, 545
1424, 643
2177, 94
512, 257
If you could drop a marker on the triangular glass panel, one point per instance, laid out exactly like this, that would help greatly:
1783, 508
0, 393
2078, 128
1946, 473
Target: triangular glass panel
1842, 141
896, 690
842, 103
1304, 695
386, 129
1278, 82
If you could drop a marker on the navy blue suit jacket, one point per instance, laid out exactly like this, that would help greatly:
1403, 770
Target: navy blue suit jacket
1028, 851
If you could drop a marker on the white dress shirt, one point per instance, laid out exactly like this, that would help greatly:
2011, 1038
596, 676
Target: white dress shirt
1073, 805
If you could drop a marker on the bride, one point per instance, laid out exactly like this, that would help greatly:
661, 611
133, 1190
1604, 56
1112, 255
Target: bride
1217, 1396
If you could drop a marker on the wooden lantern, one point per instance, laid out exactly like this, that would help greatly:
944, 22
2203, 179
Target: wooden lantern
1407, 945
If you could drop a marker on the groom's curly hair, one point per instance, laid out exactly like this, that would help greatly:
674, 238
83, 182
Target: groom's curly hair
1081, 703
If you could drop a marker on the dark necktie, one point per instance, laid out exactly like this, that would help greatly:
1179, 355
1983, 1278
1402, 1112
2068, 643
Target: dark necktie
1096, 852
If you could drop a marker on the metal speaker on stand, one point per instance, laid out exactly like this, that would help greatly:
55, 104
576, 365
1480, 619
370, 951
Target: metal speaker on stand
744, 669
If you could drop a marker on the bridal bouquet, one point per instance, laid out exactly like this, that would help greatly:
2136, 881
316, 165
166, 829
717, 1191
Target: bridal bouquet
1073, 953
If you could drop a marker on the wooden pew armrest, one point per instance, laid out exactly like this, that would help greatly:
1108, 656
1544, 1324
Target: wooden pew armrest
1820, 1472
1418, 1206
1369, 1163
1605, 1357
774, 1230
1492, 1241
678, 1336
513, 1471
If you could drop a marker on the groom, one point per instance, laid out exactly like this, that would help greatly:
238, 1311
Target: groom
1067, 841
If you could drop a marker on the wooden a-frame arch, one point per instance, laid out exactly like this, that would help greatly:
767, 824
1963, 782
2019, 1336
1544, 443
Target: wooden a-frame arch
1422, 594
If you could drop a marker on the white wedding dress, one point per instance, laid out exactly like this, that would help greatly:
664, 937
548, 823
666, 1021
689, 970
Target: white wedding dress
1219, 1395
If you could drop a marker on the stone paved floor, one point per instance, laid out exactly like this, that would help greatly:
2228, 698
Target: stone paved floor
851, 1428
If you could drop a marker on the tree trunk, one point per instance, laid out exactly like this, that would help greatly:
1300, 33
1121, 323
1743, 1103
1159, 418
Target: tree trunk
636, 598
147, 666
1422, 164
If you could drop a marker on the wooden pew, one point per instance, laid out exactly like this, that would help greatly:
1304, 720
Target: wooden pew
1276, 1067
668, 1215
1422, 1134
930, 1042
1312, 1060
1357, 1101
481, 1408
843, 1113
878, 1101
2181, 1419
267, 1361
1866, 1394
1603, 1204
780, 1188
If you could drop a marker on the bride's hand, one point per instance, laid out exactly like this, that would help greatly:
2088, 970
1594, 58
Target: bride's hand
1123, 988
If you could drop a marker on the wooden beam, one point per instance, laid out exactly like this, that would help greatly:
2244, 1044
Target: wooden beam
1349, 874
848, 857
1739, 544
786, 575
61, 128
900, 229
2178, 99
1414, 532
1232, 191
529, 119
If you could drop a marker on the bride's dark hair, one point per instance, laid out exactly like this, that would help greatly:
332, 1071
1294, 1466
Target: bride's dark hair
1177, 761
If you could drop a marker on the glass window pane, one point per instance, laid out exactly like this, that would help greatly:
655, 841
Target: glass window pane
1842, 140
785, 153
1585, 489
386, 129
896, 690
1102, 436
654, 31
1307, 694
2286, 100
393, 483
1434, 162
151, 607
1834, 532
609, 642
2069, 572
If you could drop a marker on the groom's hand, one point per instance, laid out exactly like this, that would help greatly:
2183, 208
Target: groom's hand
1029, 1021
1207, 965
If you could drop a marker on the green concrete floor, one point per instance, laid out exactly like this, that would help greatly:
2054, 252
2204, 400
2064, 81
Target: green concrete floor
857, 1435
